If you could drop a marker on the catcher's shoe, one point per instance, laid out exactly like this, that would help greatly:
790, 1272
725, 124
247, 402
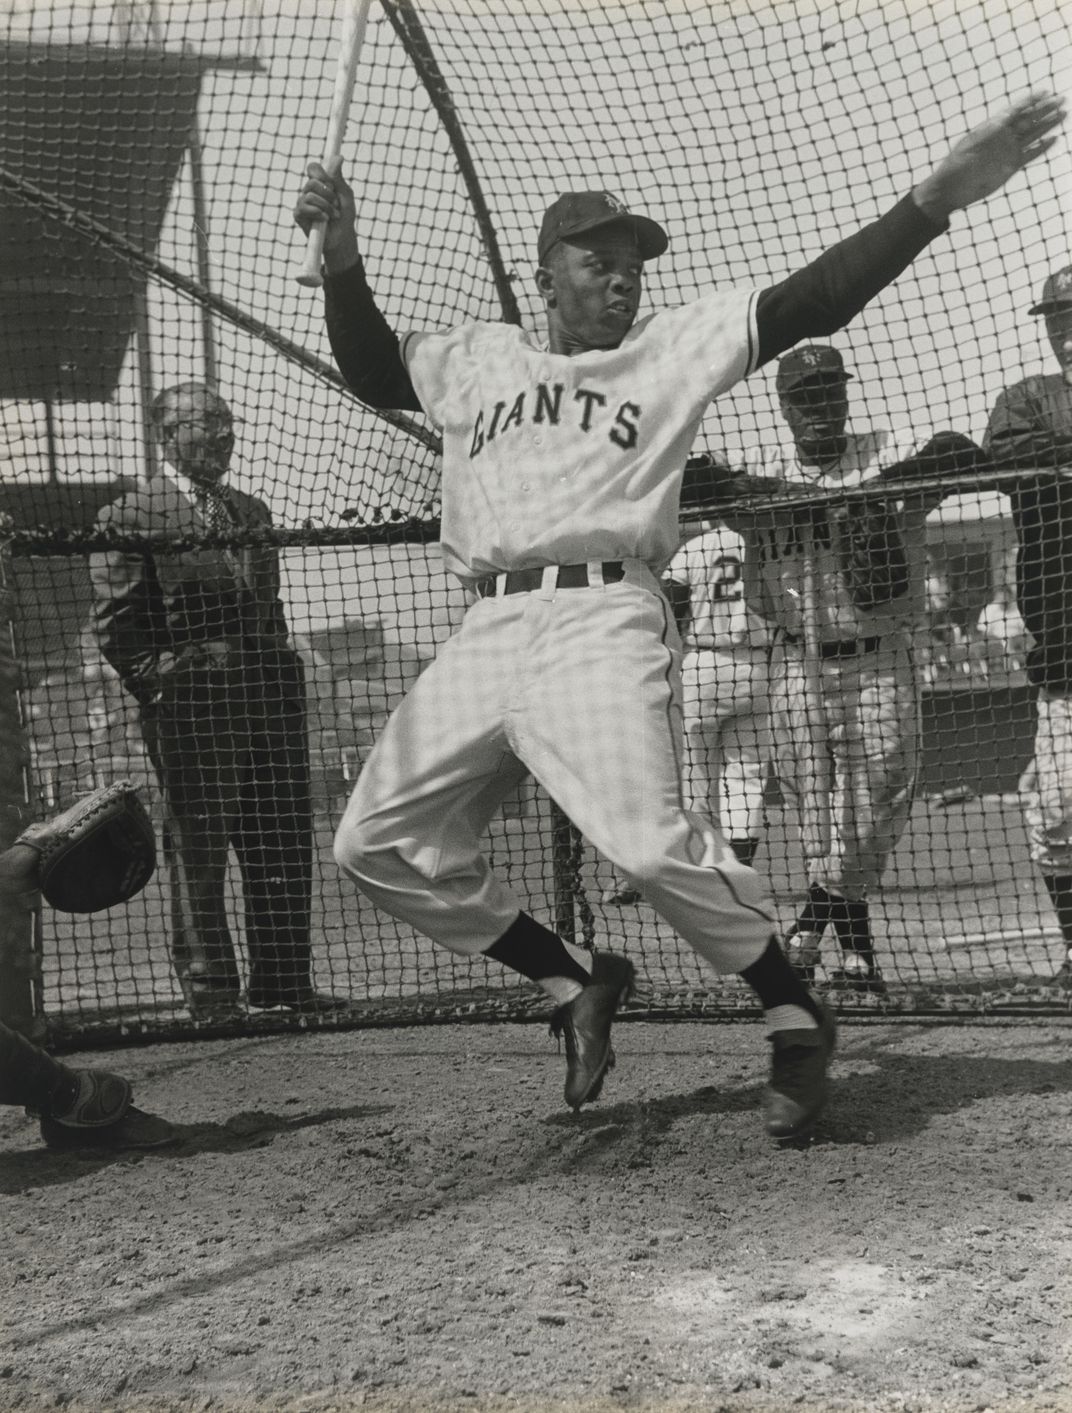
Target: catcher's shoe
585, 1023
856, 973
804, 950
796, 1094
135, 1130
102, 1099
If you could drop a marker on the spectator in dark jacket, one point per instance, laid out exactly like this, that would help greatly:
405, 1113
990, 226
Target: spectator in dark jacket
199, 639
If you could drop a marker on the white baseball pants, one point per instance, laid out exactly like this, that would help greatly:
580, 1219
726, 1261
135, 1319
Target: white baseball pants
582, 687
727, 737
871, 708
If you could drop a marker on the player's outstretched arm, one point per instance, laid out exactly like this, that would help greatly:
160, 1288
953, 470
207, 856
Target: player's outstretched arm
365, 347
825, 295
984, 160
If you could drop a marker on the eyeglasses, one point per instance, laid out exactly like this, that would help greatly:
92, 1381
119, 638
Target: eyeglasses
209, 422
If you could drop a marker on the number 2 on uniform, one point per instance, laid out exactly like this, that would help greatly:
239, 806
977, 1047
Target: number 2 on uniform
726, 579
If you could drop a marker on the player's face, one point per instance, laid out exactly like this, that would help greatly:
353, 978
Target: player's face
816, 410
592, 286
1059, 332
197, 435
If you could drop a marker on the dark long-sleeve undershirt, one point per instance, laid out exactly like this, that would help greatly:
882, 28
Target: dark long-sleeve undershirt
815, 301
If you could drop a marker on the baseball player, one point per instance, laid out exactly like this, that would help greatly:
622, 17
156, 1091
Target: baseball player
562, 463
1030, 427
725, 689
848, 733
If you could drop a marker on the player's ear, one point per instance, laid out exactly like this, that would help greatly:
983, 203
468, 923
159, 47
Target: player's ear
545, 283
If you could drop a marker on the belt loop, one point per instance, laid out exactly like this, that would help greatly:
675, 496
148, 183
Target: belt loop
549, 582
500, 586
595, 574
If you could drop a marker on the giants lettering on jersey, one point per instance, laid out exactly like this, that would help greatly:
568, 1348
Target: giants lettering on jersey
586, 409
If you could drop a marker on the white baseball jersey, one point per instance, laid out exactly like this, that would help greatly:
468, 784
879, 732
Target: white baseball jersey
776, 547
550, 459
711, 567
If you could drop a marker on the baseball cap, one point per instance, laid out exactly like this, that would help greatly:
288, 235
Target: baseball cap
575, 212
1056, 292
811, 360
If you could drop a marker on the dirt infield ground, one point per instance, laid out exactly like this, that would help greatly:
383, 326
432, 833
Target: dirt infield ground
410, 1220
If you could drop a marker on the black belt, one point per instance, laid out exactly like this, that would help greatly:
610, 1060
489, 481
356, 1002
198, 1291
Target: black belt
849, 647
839, 647
569, 576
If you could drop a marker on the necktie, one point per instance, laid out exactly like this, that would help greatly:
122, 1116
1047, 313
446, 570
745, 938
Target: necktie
216, 507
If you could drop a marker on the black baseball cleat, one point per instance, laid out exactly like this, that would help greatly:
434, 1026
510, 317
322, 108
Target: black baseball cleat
585, 1023
796, 1094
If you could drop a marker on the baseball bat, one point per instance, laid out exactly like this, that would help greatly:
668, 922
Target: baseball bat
351, 38
815, 814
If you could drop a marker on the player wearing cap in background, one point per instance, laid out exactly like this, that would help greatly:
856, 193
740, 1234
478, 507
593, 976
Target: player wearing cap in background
1030, 428
867, 562
562, 464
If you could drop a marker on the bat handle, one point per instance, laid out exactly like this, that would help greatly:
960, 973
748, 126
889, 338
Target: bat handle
310, 274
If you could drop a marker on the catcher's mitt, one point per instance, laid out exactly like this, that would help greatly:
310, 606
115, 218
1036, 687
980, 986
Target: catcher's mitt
96, 854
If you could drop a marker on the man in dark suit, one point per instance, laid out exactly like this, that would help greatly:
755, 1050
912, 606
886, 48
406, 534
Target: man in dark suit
199, 639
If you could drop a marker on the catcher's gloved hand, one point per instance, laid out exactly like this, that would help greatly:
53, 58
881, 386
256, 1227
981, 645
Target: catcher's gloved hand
96, 854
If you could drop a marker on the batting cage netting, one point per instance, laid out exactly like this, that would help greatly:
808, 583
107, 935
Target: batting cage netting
150, 159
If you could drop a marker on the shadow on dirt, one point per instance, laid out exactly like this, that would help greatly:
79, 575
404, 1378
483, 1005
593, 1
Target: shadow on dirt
891, 1096
43, 1167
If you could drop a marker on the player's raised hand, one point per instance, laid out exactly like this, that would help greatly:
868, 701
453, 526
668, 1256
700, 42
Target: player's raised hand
984, 160
327, 197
